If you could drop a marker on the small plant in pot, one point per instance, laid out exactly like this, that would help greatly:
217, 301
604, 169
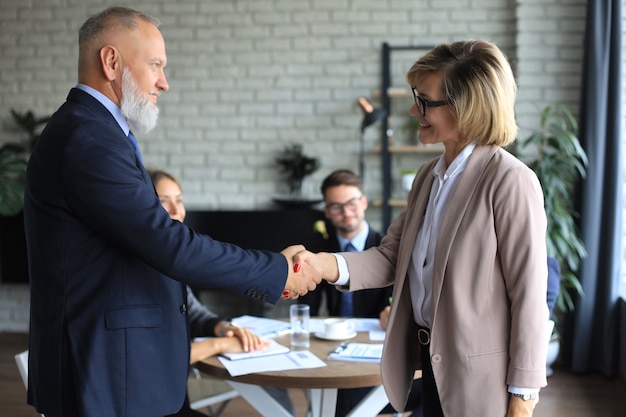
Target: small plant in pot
296, 166
13, 158
12, 172
554, 153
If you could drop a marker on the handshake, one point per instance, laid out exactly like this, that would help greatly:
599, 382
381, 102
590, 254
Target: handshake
307, 269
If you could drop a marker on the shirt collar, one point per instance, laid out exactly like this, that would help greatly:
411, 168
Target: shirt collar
115, 111
358, 241
457, 165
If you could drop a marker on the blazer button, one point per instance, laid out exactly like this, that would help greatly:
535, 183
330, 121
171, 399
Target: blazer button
183, 308
436, 358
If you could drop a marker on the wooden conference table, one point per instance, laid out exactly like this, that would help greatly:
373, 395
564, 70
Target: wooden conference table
321, 383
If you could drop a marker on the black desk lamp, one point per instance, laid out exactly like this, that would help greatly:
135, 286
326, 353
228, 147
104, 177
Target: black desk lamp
370, 116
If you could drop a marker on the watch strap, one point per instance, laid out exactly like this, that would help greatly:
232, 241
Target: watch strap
526, 397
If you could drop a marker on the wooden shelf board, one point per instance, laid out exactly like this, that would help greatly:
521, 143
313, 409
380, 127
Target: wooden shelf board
393, 202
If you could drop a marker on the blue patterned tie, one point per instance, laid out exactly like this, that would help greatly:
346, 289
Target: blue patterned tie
133, 140
347, 305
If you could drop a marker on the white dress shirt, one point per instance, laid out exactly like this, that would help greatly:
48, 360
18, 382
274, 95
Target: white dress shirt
421, 267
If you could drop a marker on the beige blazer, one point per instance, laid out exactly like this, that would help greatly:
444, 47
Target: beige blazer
489, 287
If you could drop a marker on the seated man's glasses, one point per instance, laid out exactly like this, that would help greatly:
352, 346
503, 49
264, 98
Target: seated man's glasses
422, 103
337, 208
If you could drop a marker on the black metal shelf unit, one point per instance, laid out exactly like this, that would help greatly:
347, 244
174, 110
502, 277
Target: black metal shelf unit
386, 104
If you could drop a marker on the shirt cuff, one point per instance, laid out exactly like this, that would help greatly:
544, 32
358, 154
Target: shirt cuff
519, 390
342, 266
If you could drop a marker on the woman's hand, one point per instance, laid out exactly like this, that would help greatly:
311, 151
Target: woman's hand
323, 263
520, 408
233, 342
248, 340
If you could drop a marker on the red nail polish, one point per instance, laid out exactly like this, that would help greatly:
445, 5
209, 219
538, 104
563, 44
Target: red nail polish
296, 267
286, 294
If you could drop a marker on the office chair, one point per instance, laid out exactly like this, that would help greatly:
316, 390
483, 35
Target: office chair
21, 359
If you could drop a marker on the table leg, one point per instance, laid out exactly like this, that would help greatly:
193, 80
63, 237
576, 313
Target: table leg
322, 401
260, 400
371, 404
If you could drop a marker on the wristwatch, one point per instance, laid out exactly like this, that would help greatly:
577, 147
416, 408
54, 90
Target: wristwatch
526, 397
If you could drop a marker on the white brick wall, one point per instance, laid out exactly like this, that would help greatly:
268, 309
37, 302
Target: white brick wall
14, 308
248, 77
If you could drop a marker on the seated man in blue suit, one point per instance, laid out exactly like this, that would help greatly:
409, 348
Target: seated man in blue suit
347, 230
107, 265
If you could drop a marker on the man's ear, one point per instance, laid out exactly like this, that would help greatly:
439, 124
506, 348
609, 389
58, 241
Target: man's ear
110, 60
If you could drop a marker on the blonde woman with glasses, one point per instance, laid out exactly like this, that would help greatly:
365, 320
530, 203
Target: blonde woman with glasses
467, 257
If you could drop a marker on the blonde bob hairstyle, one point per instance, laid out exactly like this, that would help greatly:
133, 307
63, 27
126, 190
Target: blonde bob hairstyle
479, 84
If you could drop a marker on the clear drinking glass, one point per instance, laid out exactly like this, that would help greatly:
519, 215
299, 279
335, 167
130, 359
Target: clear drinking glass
300, 314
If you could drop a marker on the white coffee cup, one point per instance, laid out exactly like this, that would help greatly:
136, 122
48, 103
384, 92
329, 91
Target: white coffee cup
339, 328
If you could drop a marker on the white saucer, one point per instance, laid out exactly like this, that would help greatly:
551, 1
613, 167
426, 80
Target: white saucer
326, 337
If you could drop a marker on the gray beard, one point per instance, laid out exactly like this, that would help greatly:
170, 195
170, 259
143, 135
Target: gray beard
141, 115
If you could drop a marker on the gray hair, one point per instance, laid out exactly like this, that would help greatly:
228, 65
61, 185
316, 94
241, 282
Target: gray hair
107, 19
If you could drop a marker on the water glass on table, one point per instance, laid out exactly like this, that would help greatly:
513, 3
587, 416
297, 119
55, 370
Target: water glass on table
300, 315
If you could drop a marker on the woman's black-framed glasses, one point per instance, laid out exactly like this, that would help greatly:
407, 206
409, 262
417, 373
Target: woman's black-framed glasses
422, 104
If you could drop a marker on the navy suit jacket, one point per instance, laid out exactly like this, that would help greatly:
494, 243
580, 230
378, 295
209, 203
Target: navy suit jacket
108, 329
366, 303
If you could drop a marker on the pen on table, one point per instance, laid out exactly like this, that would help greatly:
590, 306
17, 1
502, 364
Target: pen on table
340, 347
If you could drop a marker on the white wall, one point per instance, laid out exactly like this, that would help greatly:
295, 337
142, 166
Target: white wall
248, 77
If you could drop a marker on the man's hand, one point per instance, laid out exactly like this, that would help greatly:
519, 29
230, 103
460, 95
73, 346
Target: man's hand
302, 276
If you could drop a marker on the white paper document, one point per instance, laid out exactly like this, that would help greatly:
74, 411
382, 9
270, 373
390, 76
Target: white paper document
274, 348
359, 352
298, 359
367, 325
372, 326
262, 326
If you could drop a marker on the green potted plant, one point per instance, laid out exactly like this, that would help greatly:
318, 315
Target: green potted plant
411, 129
554, 153
12, 172
296, 166
13, 158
